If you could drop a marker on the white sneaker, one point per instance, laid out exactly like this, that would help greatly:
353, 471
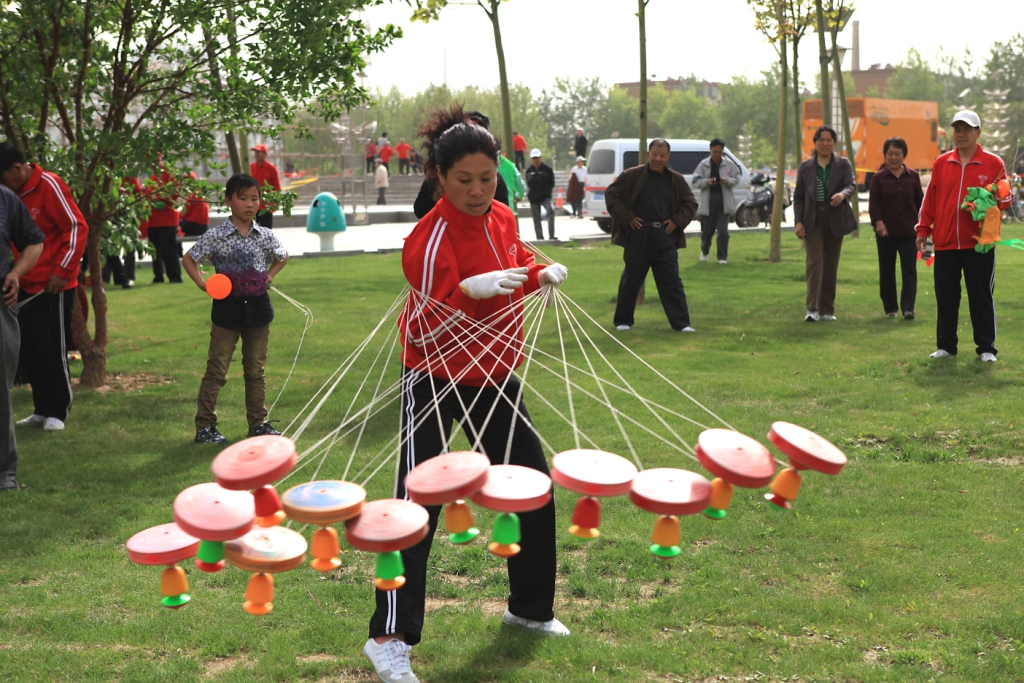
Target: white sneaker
812, 317
942, 353
987, 358
52, 424
31, 421
391, 660
721, 261
829, 317
703, 257
545, 628
620, 328
687, 329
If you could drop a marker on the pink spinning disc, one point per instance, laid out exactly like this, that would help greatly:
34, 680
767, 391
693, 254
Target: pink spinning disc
254, 462
806, 450
593, 473
447, 477
163, 544
213, 513
388, 525
670, 491
272, 549
514, 488
736, 458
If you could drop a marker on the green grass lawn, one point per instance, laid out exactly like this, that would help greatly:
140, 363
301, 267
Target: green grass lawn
903, 568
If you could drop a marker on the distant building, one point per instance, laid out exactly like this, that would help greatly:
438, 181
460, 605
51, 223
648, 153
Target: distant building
712, 92
871, 82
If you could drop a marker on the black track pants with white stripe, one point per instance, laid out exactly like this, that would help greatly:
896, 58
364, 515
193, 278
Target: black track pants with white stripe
531, 573
43, 361
978, 273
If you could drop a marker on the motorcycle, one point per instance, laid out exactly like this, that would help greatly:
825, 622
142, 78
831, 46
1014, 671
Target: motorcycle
757, 207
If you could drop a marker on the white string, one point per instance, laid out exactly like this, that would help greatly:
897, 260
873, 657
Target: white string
309, 321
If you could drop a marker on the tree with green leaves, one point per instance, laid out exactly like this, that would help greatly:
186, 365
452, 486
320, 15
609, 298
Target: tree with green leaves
837, 16
825, 82
571, 104
800, 14
96, 90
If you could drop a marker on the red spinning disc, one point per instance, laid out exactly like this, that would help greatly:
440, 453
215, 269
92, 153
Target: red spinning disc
163, 544
254, 462
274, 549
736, 458
806, 450
218, 286
387, 525
514, 488
669, 491
213, 513
447, 477
593, 473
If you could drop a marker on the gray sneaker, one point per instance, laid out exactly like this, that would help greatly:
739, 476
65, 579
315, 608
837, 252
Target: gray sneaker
391, 660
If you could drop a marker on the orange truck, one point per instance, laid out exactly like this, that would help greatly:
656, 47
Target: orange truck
872, 122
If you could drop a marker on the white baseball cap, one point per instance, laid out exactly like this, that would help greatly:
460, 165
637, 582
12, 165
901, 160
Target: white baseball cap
968, 117
535, 153
580, 159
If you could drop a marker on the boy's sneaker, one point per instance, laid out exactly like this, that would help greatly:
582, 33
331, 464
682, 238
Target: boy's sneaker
265, 429
210, 435
544, 628
942, 353
908, 315
687, 329
812, 317
987, 358
391, 660
31, 421
891, 315
721, 261
829, 317
703, 257
620, 328
52, 424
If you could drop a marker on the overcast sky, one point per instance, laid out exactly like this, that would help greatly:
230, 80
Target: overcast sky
714, 39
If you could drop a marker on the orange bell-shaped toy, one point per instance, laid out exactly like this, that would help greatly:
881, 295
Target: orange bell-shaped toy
174, 587
586, 518
259, 596
325, 550
666, 537
458, 519
784, 489
268, 507
721, 499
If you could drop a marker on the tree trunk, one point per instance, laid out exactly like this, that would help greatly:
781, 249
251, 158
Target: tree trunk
775, 238
798, 124
218, 84
242, 149
643, 82
506, 102
854, 200
826, 89
93, 349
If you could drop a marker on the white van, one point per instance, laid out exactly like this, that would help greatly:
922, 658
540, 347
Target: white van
609, 158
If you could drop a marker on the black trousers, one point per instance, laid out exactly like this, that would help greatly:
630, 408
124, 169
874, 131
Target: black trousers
650, 248
380, 196
265, 220
717, 222
531, 573
979, 274
10, 344
535, 212
888, 248
166, 258
370, 164
403, 166
520, 159
43, 361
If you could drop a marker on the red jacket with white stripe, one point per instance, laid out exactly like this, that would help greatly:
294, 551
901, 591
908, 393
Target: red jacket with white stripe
949, 226
446, 333
49, 202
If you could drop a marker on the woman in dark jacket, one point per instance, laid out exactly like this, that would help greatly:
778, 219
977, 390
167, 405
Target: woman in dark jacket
821, 206
894, 203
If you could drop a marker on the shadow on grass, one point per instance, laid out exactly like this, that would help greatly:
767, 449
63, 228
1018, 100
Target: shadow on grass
510, 649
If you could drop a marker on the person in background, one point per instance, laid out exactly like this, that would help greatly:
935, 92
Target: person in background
380, 181
43, 358
954, 231
577, 187
580, 144
516, 188
403, 156
17, 232
894, 202
370, 152
196, 218
382, 141
519, 147
821, 205
415, 161
715, 176
163, 226
540, 181
385, 155
266, 175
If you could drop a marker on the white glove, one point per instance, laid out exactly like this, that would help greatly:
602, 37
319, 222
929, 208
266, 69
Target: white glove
554, 274
496, 282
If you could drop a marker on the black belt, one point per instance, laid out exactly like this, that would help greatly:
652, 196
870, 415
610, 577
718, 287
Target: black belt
657, 224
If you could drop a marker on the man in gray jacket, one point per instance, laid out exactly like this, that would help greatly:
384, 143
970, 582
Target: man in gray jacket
715, 177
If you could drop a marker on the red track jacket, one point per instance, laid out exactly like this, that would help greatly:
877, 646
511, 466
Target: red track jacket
443, 334
265, 173
949, 226
49, 202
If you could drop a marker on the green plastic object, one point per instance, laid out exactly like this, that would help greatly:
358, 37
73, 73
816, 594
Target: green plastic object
389, 565
175, 601
464, 536
714, 513
506, 529
983, 201
211, 552
666, 551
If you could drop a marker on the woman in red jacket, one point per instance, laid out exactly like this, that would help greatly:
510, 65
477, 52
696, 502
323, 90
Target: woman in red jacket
462, 338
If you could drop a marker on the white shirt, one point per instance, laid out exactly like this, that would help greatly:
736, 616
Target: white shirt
581, 173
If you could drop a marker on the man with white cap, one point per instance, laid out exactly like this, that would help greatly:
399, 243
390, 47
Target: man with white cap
954, 232
540, 181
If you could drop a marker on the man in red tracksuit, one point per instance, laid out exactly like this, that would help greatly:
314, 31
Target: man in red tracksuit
403, 156
266, 175
954, 234
163, 226
54, 277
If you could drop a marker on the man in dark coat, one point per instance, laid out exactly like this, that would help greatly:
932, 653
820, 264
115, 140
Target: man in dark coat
650, 205
581, 143
540, 181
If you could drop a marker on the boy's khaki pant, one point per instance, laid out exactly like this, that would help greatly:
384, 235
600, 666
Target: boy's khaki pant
254, 358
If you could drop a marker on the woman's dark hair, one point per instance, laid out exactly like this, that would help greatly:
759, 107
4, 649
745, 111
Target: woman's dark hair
449, 135
898, 143
9, 156
822, 129
239, 182
716, 143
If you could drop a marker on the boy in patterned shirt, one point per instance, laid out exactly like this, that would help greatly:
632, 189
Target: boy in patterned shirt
241, 250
